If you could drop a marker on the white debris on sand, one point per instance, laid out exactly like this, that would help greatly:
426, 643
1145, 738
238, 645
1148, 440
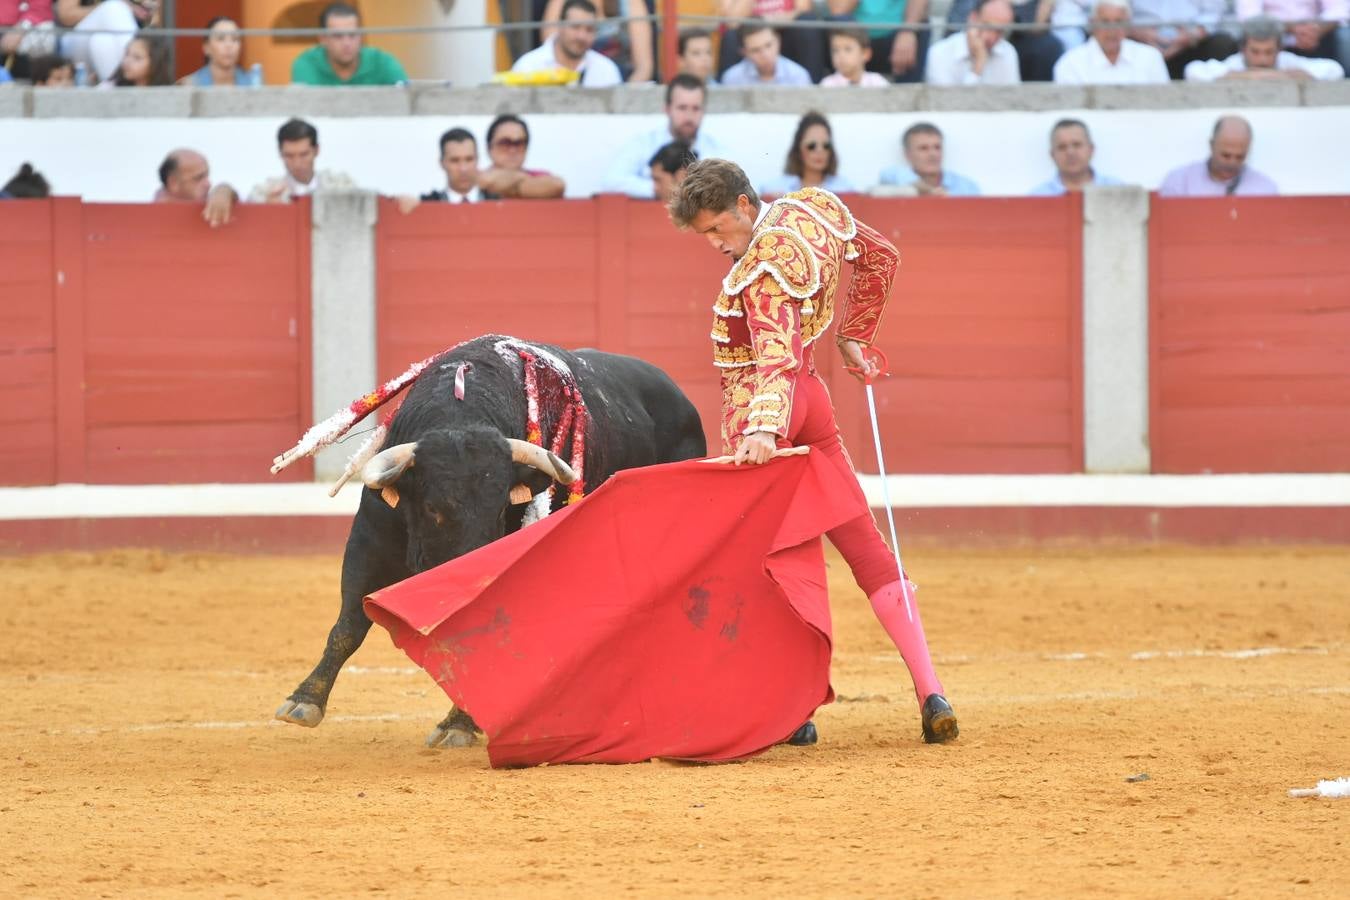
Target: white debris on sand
1329, 790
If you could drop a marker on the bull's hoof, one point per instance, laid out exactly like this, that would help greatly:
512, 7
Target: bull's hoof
458, 729
443, 738
306, 714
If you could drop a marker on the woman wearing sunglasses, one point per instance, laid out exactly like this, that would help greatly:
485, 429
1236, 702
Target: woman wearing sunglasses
811, 162
508, 139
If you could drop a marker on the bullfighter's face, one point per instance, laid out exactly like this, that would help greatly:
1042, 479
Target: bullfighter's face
729, 231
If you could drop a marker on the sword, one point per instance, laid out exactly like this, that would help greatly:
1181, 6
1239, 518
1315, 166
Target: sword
879, 358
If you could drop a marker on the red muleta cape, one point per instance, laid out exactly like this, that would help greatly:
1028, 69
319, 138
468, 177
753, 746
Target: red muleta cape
679, 611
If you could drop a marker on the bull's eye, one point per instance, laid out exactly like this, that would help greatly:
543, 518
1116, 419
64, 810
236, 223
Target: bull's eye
434, 513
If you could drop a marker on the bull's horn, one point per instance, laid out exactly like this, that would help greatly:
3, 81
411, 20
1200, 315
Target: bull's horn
541, 459
385, 467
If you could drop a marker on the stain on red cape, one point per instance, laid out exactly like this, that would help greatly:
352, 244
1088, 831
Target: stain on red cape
679, 611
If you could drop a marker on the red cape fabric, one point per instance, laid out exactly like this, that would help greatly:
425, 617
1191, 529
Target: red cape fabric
679, 611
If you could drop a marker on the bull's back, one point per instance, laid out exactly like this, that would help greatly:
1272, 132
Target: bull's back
635, 396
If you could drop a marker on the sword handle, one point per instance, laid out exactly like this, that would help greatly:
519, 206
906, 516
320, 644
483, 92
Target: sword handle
875, 355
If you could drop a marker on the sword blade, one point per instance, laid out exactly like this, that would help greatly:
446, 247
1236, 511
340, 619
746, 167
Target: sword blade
886, 500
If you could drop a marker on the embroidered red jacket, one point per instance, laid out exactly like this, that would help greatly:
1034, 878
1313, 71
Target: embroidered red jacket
779, 298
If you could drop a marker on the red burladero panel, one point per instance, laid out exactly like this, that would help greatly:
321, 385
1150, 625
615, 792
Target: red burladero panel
27, 344
1250, 334
984, 329
196, 341
984, 335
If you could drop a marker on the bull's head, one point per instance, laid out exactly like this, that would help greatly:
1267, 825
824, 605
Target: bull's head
454, 488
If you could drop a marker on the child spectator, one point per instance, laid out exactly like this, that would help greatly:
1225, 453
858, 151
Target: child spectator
145, 64
850, 51
696, 54
52, 71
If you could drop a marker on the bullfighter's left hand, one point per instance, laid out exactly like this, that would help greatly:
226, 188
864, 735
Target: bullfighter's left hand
756, 449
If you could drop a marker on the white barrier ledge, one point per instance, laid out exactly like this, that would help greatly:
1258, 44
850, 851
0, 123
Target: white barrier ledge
83, 501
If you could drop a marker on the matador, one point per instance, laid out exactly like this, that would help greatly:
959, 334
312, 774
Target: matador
775, 303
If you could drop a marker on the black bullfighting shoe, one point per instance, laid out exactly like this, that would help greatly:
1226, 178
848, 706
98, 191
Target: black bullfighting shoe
804, 736
939, 722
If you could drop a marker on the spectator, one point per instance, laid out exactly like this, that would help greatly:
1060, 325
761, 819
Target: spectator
1037, 49
763, 62
1262, 59
298, 142
1069, 21
1225, 173
1109, 57
1071, 148
1323, 31
221, 49
629, 45
1314, 27
27, 184
339, 59
5, 77
630, 173
115, 23
51, 71
898, 54
804, 46
696, 55
850, 51
924, 174
669, 165
978, 54
185, 177
27, 31
1180, 45
811, 162
145, 64
570, 48
459, 159
508, 139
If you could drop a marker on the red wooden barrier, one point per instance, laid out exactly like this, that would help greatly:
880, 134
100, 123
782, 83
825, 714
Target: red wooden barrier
150, 348
27, 344
984, 327
1250, 334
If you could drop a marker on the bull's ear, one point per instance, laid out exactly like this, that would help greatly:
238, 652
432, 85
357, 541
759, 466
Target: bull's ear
390, 495
385, 467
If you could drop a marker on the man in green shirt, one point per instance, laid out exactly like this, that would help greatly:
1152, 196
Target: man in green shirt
340, 59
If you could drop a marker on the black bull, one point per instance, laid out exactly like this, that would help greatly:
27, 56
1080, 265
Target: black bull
452, 467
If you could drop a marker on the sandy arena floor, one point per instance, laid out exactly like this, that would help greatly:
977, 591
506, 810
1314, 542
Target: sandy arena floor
139, 757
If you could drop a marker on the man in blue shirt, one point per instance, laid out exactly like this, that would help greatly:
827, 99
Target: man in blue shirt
924, 174
631, 171
764, 62
1071, 148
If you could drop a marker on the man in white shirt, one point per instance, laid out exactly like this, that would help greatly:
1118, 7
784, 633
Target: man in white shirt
764, 62
1108, 57
298, 142
631, 172
571, 49
978, 55
1262, 59
459, 160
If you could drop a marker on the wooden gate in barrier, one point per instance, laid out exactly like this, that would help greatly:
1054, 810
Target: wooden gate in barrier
140, 346
1250, 334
